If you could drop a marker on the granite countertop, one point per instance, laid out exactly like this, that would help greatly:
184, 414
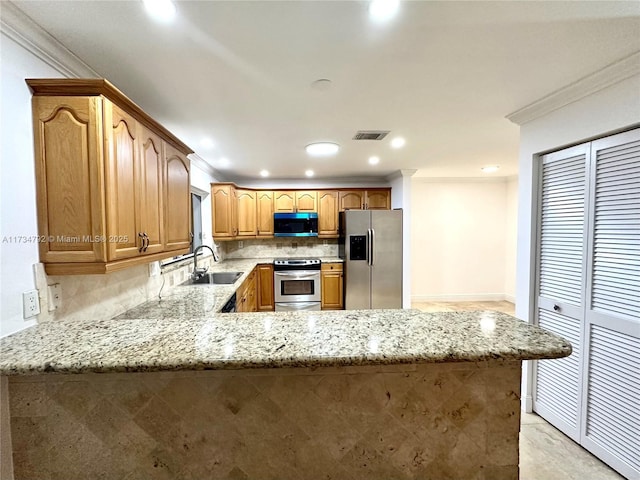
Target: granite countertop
273, 340
201, 300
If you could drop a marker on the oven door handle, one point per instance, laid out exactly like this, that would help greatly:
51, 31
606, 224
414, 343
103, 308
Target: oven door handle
298, 274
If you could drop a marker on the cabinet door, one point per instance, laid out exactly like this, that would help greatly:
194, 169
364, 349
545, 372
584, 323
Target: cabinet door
351, 200
69, 188
284, 202
307, 201
265, 288
150, 185
246, 213
328, 213
224, 204
378, 200
332, 286
264, 214
177, 200
122, 190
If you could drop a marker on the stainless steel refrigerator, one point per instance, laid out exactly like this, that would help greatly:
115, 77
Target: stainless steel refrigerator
371, 246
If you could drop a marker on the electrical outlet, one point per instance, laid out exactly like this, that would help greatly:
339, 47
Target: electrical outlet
55, 292
30, 304
240, 244
325, 242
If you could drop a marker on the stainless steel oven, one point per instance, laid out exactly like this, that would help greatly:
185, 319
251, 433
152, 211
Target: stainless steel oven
297, 284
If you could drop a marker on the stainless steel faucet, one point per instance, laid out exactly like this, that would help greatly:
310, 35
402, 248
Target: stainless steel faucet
199, 272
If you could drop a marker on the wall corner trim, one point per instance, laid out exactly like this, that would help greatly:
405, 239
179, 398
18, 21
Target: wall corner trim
20, 28
605, 77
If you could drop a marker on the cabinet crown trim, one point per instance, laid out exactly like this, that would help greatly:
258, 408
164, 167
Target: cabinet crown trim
100, 86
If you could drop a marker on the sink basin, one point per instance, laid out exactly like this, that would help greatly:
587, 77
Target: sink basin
216, 278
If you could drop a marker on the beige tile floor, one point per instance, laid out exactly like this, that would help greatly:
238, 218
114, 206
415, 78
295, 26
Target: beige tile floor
545, 452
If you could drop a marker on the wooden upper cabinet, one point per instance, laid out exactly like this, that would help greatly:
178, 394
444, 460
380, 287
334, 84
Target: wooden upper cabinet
378, 199
150, 184
307, 201
264, 213
327, 213
284, 202
69, 178
224, 210
295, 201
102, 180
365, 199
246, 213
122, 184
177, 200
351, 200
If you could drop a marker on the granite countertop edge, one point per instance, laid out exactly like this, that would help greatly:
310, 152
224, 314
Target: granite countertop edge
275, 340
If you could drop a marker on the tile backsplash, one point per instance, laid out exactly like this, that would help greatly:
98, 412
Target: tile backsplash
280, 247
105, 296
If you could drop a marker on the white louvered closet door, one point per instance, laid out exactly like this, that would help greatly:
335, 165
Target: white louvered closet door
611, 421
561, 283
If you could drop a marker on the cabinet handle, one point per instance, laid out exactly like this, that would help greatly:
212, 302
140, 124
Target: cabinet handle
556, 307
148, 241
141, 236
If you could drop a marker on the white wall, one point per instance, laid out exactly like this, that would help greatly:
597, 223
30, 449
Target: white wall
17, 182
606, 111
459, 238
511, 239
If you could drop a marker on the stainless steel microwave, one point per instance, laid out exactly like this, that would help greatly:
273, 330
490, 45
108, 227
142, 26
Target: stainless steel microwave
295, 224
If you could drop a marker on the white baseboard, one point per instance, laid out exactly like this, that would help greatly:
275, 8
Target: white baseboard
471, 297
510, 298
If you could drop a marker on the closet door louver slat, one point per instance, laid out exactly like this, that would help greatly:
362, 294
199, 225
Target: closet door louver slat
617, 169
613, 393
611, 378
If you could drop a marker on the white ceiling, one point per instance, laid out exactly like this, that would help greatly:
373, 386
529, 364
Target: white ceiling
441, 74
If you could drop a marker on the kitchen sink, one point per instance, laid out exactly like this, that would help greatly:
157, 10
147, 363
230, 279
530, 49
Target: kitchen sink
216, 278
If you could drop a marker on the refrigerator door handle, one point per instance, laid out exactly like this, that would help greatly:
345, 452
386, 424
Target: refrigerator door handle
371, 246
368, 246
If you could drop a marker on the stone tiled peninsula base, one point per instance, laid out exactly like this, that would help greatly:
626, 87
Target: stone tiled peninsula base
426, 421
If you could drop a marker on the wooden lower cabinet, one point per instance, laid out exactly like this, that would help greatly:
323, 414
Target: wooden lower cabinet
246, 295
266, 301
332, 286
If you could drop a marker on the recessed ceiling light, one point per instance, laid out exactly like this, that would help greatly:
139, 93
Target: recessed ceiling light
309, 173
161, 10
264, 173
322, 149
490, 168
398, 142
224, 162
381, 10
374, 160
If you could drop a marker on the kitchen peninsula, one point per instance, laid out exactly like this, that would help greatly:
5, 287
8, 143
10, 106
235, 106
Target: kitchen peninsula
376, 394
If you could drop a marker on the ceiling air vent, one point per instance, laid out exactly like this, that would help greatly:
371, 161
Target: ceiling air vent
370, 134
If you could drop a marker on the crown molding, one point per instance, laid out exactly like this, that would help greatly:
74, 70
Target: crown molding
401, 173
206, 167
20, 28
611, 74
